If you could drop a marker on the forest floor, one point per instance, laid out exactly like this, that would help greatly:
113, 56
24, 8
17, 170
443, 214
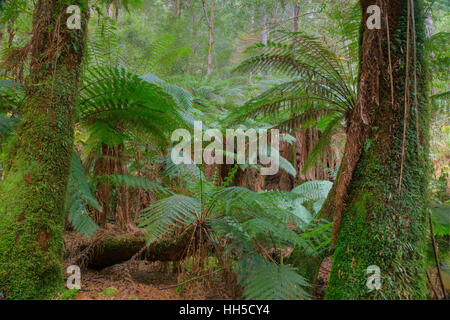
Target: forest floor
142, 280
148, 282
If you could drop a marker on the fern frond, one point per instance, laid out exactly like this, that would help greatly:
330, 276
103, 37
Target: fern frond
165, 215
79, 197
112, 96
7, 124
313, 190
320, 83
275, 282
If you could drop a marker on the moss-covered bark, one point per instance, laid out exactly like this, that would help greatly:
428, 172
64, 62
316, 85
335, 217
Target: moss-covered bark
113, 250
32, 193
384, 219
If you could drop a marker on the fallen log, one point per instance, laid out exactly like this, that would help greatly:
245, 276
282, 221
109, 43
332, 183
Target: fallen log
112, 249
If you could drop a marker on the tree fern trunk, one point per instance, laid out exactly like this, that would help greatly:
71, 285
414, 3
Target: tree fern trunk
306, 139
384, 218
32, 194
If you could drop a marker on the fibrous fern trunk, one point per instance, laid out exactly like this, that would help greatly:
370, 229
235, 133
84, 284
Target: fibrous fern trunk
110, 163
306, 140
383, 221
32, 193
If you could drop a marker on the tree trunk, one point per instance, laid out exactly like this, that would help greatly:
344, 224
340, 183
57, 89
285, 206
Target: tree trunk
110, 163
210, 21
384, 215
264, 37
104, 166
176, 4
115, 249
32, 194
296, 16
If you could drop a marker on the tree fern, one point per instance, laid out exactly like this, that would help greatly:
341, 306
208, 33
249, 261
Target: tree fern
163, 216
104, 48
255, 224
320, 85
79, 197
114, 96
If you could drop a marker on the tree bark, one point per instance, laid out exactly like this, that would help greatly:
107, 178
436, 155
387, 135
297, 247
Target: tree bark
176, 8
210, 21
384, 215
32, 194
264, 37
296, 16
113, 250
110, 163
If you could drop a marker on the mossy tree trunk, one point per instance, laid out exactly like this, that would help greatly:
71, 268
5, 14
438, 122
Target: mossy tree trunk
383, 221
33, 190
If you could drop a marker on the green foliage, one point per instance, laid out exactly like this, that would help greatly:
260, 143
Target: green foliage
104, 48
440, 213
69, 294
135, 182
250, 221
79, 198
269, 281
11, 95
109, 292
313, 190
319, 90
437, 47
12, 9
115, 101
7, 124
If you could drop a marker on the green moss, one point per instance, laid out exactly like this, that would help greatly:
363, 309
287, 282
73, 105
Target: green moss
69, 294
109, 292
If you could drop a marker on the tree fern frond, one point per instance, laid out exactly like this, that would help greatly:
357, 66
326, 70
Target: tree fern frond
275, 282
79, 197
7, 124
112, 96
313, 190
165, 215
